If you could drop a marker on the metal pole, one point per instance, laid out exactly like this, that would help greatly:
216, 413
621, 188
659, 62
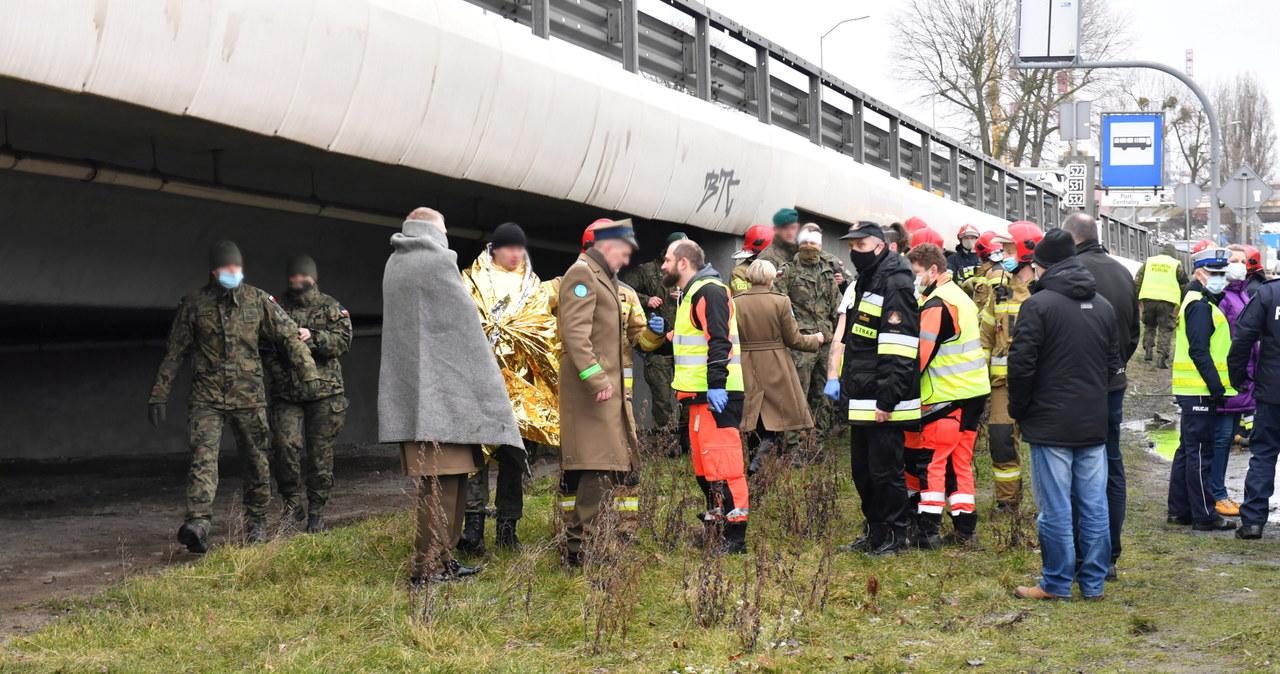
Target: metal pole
1215, 140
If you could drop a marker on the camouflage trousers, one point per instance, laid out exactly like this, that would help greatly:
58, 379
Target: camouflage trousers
303, 436
1159, 321
204, 433
812, 370
659, 371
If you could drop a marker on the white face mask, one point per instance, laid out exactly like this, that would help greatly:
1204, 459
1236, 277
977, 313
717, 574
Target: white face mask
1215, 284
996, 256
1236, 271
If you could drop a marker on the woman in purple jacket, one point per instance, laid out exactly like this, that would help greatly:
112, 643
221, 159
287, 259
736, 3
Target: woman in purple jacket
1239, 406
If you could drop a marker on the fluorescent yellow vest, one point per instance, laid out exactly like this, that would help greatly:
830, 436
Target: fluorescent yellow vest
1160, 280
1186, 378
959, 370
689, 347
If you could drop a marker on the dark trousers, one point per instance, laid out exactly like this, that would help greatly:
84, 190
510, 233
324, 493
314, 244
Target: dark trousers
1189, 476
509, 499
876, 454
1117, 485
1260, 481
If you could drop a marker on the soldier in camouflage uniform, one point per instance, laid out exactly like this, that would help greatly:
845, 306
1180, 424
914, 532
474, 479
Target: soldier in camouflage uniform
300, 424
815, 297
659, 300
223, 325
783, 247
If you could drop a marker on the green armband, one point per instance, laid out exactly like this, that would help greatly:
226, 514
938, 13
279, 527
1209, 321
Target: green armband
589, 371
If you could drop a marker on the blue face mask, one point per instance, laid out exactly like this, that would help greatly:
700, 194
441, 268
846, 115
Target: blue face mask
230, 280
1010, 265
1216, 284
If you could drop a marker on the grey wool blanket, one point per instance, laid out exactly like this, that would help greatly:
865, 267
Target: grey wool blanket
439, 380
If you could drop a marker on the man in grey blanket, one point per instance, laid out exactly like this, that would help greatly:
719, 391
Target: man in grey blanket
440, 394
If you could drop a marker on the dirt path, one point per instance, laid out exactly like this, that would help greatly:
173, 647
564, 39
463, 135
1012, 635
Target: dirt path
71, 530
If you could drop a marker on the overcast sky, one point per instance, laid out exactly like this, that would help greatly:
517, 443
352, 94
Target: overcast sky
1227, 37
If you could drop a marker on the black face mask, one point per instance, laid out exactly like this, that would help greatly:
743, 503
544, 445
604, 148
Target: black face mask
863, 261
297, 292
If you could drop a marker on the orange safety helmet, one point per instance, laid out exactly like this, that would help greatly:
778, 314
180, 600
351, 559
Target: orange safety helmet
913, 223
1025, 236
967, 230
925, 235
589, 235
1252, 259
1202, 244
757, 238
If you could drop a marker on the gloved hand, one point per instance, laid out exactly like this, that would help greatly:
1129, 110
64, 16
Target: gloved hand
156, 413
311, 389
1218, 400
658, 324
832, 389
717, 399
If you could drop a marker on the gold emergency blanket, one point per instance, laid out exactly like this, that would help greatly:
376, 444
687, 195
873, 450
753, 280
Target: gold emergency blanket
523, 335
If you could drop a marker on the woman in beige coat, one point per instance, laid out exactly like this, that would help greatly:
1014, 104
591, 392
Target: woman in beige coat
766, 329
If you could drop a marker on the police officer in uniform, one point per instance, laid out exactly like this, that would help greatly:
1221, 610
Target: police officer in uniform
222, 326
879, 381
303, 425
1259, 324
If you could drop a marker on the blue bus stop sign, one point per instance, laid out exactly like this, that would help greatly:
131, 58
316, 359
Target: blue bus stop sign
1132, 151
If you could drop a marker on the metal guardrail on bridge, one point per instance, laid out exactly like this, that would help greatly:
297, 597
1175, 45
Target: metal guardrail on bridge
865, 129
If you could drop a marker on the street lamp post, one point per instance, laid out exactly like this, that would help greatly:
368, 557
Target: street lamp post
822, 60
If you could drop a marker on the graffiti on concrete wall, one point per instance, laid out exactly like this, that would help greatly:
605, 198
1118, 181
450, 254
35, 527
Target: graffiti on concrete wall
719, 185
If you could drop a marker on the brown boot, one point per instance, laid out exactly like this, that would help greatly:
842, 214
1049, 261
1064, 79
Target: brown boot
1036, 593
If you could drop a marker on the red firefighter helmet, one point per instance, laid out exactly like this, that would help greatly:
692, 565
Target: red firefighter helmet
1252, 259
1202, 244
986, 244
1025, 236
913, 223
968, 230
757, 238
925, 235
589, 235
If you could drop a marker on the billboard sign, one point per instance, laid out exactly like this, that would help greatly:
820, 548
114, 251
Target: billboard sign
1132, 151
1048, 31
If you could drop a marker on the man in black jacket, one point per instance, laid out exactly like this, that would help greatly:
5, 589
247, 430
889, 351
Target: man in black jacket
1063, 355
1115, 283
879, 326
1259, 324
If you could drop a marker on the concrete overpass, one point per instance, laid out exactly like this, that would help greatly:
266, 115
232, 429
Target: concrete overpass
135, 133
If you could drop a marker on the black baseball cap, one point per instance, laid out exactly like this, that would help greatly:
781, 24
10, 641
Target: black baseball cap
861, 230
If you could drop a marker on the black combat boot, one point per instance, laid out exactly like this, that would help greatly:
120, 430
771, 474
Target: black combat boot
294, 516
926, 534
871, 538
965, 529
192, 535
1147, 355
1248, 532
472, 539
506, 538
892, 542
1220, 524
735, 539
255, 531
1163, 363
315, 524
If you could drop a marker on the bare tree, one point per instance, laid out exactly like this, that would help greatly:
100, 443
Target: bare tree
1248, 126
1186, 128
959, 52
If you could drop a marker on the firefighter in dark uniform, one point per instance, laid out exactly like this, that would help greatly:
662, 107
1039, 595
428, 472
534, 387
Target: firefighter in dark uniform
308, 427
879, 382
223, 326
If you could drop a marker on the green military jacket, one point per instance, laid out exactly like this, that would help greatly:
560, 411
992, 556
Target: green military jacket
224, 330
330, 327
646, 279
815, 296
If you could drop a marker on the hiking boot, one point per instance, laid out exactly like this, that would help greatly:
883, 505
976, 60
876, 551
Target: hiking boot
1220, 524
293, 516
1227, 508
255, 532
505, 538
192, 535
1249, 532
1180, 520
315, 524
1147, 356
1036, 593
472, 539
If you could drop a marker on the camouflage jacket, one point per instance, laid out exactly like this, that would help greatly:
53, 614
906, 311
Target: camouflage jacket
224, 330
330, 327
780, 253
646, 279
815, 296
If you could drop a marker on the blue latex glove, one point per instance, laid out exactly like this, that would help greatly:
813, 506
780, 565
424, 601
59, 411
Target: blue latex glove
658, 324
717, 398
832, 389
